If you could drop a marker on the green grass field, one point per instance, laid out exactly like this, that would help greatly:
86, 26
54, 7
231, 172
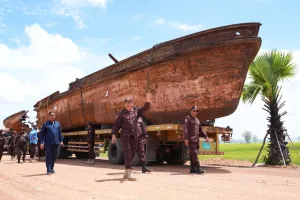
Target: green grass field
249, 152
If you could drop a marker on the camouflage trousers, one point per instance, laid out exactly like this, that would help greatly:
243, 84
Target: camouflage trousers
21, 151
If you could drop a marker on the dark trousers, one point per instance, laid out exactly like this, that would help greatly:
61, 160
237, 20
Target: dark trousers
21, 150
141, 149
12, 151
129, 144
91, 150
194, 147
32, 150
1, 152
51, 154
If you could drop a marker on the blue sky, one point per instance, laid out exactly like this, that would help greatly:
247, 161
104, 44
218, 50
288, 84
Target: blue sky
59, 40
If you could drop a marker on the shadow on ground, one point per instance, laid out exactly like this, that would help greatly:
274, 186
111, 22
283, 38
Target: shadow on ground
172, 169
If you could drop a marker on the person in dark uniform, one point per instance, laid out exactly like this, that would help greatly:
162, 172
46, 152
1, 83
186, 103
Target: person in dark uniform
142, 137
91, 143
192, 130
2, 141
21, 145
12, 145
51, 138
127, 121
41, 152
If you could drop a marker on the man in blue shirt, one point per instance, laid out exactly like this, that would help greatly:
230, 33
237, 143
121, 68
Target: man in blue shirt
33, 139
51, 138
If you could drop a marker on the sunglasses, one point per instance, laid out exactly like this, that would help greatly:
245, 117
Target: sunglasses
195, 110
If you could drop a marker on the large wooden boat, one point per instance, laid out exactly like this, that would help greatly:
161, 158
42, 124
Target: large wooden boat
16, 121
207, 69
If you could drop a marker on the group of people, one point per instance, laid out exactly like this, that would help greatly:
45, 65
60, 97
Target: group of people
133, 138
18, 142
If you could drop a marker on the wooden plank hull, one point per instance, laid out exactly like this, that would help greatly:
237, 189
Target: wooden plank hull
207, 69
15, 121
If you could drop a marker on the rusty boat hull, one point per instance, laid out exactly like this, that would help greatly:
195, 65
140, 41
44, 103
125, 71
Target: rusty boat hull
207, 69
16, 121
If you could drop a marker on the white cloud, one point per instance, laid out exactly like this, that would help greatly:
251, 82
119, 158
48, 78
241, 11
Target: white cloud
44, 50
137, 17
82, 3
179, 26
72, 8
45, 65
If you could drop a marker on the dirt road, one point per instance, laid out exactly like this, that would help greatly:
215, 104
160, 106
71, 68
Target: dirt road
74, 180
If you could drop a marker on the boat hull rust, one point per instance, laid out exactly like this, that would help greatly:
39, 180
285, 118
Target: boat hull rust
207, 69
15, 121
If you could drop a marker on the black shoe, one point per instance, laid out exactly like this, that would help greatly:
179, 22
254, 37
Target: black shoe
193, 169
52, 171
145, 169
18, 161
48, 173
199, 170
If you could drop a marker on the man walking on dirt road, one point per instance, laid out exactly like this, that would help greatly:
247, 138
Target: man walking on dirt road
21, 145
142, 137
192, 130
51, 138
127, 121
33, 140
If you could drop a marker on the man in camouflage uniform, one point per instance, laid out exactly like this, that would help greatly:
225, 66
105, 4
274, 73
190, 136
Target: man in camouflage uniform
2, 141
142, 137
127, 121
12, 145
192, 130
21, 144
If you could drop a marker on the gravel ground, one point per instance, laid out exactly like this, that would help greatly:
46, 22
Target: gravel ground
74, 180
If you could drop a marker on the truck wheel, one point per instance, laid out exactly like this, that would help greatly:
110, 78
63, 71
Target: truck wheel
81, 155
115, 153
174, 157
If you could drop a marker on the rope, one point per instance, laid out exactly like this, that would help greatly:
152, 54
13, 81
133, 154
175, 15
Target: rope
82, 106
70, 113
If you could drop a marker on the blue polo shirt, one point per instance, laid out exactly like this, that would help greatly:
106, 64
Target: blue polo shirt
51, 133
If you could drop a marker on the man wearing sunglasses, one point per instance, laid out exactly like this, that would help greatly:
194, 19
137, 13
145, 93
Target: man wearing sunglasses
51, 137
192, 130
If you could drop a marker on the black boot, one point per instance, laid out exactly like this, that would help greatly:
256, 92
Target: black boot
145, 169
193, 169
199, 170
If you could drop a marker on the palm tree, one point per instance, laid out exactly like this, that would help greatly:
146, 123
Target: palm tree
266, 72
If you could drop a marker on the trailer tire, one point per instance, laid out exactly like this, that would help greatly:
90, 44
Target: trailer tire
115, 153
174, 157
81, 155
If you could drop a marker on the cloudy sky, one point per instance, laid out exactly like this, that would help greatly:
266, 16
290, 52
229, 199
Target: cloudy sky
44, 45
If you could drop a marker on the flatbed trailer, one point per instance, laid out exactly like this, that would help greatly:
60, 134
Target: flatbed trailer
165, 143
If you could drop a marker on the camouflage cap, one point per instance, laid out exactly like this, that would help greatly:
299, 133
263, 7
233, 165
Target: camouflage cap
194, 108
128, 99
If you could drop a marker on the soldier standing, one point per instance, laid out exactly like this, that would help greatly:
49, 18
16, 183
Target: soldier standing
91, 143
2, 141
12, 145
127, 121
21, 145
142, 137
192, 129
